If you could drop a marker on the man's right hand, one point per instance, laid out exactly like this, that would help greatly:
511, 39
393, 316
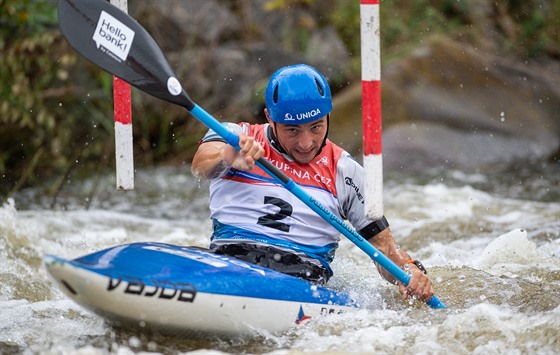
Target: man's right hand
246, 157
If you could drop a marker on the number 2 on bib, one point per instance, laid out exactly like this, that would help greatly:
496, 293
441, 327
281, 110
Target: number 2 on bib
271, 220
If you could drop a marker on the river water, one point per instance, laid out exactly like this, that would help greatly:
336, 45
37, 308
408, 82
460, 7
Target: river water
490, 241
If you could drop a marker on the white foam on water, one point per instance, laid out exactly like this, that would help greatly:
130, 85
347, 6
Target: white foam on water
47, 324
448, 228
470, 220
491, 329
512, 253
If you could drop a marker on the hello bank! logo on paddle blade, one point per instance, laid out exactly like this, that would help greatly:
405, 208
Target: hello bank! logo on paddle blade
113, 37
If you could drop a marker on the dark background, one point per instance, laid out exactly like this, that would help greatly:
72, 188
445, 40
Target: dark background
467, 85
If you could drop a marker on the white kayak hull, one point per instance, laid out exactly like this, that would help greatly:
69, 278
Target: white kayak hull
167, 288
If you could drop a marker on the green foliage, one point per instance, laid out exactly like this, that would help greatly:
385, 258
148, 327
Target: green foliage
298, 23
56, 108
403, 24
406, 24
538, 26
45, 127
274, 5
26, 16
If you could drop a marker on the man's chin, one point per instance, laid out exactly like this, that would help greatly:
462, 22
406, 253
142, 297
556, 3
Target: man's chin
303, 158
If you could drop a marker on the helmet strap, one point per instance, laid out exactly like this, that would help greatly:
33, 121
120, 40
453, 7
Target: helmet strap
274, 141
326, 135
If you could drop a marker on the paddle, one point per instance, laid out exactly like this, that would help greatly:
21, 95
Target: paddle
117, 43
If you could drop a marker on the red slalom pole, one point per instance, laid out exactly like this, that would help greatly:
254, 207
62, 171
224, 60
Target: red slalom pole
122, 111
371, 106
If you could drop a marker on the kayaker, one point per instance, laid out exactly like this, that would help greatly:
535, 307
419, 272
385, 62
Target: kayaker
259, 221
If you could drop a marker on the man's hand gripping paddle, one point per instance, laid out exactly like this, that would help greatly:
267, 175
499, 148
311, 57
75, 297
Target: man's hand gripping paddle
114, 41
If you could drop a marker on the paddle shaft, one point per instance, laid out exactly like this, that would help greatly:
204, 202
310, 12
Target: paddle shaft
91, 27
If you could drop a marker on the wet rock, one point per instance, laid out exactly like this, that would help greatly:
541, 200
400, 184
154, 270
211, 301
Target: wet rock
449, 104
224, 52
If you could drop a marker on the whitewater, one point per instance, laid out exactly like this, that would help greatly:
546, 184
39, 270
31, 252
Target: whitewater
491, 243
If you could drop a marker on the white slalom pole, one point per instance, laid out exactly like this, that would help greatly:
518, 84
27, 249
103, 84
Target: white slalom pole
371, 107
123, 125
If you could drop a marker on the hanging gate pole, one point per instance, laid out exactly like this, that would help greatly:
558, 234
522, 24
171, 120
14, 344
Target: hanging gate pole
371, 107
122, 111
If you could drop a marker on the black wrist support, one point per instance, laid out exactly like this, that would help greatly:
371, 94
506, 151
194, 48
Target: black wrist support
374, 228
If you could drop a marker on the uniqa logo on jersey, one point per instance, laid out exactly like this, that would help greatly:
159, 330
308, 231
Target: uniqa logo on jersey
302, 116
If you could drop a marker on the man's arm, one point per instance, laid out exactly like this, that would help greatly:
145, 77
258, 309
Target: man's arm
420, 286
208, 161
212, 159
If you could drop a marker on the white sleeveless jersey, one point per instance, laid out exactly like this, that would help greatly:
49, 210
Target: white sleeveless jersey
253, 201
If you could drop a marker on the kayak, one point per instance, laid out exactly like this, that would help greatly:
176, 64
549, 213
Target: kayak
181, 289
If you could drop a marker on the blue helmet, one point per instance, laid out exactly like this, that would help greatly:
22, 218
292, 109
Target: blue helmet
297, 94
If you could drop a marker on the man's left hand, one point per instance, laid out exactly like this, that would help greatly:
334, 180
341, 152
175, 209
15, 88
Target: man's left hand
420, 287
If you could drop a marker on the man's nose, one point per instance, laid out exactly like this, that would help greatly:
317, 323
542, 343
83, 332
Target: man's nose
305, 140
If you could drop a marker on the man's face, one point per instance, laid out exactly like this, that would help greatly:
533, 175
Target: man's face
302, 142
